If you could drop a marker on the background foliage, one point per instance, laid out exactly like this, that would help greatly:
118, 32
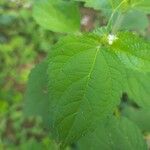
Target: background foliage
22, 44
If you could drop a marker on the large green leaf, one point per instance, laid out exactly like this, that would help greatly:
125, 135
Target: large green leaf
36, 98
85, 77
84, 85
57, 15
133, 51
114, 134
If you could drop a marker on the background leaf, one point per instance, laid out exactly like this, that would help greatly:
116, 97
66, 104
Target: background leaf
36, 98
130, 21
97, 4
137, 88
57, 16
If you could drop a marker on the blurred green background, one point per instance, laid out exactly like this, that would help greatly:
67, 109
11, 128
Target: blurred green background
23, 44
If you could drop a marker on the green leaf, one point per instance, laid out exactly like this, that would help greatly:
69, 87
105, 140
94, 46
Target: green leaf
85, 80
6, 20
32, 144
131, 9
124, 4
97, 4
143, 5
130, 21
137, 87
84, 85
106, 5
57, 15
141, 117
114, 134
133, 52
36, 97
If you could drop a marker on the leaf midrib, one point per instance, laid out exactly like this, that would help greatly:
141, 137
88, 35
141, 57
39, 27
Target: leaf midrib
89, 75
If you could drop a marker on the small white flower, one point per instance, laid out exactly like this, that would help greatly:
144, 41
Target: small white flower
27, 5
111, 38
85, 20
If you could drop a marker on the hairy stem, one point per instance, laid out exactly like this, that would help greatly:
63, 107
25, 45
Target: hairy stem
109, 25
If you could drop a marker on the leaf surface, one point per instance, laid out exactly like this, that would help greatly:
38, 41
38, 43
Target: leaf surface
133, 51
96, 4
36, 97
130, 21
57, 15
137, 86
86, 80
143, 5
140, 117
114, 134
84, 85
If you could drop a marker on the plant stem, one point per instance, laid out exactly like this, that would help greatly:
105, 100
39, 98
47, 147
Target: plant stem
112, 15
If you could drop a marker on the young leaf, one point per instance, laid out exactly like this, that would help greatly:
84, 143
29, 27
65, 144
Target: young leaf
132, 51
84, 85
114, 134
57, 15
36, 98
